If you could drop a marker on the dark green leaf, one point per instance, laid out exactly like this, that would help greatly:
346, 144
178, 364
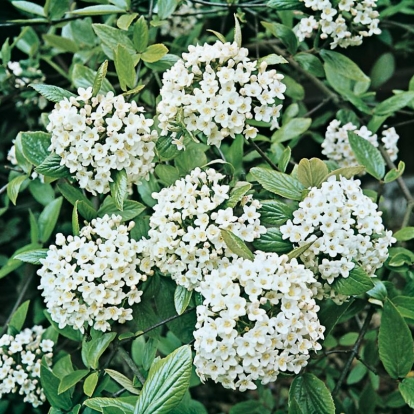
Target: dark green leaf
236, 245
278, 183
166, 149
283, 33
32, 256
294, 128
51, 92
166, 62
95, 348
356, 283
311, 395
331, 313
367, 155
56, 9
51, 167
280, 5
48, 219
249, 407
394, 103
71, 380
119, 188
275, 212
18, 318
382, 70
67, 331
293, 89
395, 342
405, 305
131, 209
140, 37
406, 387
272, 241
190, 159
311, 64
167, 174
73, 194
167, 382
35, 146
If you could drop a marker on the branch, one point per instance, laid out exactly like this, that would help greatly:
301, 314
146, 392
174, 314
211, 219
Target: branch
125, 356
264, 156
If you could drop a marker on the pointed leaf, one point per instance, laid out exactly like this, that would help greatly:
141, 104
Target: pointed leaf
90, 384
131, 209
62, 43
395, 172
236, 245
346, 172
166, 8
13, 187
124, 403
18, 318
154, 53
50, 384
294, 128
283, 33
119, 188
99, 78
406, 387
83, 77
99, 10
122, 380
272, 241
48, 219
237, 194
52, 167
29, 7
52, 93
32, 256
237, 31
356, 283
71, 379
182, 298
140, 37
275, 212
124, 66
295, 253
394, 103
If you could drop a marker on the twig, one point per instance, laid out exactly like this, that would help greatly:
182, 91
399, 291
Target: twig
317, 107
359, 358
354, 351
226, 5
4, 188
264, 156
125, 356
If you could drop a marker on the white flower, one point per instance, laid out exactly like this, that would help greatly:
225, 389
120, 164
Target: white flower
92, 279
346, 230
20, 359
215, 90
97, 136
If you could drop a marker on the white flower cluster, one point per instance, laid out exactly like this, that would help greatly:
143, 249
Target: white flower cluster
182, 21
184, 233
216, 90
258, 318
347, 22
337, 148
95, 136
20, 361
344, 227
92, 279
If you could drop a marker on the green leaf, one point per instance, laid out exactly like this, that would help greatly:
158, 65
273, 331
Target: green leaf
83, 77
32, 256
56, 9
62, 43
124, 403
75, 220
406, 233
48, 219
347, 172
119, 188
237, 194
5, 52
330, 313
273, 59
280, 5
131, 209
100, 10
13, 264
405, 305
395, 173
134, 91
311, 173
122, 380
237, 31
168, 174
294, 407
124, 66
275, 212
167, 382
166, 8
218, 35
293, 89
166, 149
395, 342
182, 298
295, 253
278, 183
367, 155
356, 283
396, 102
19, 316
50, 384
272, 241
382, 70
154, 53
311, 64
125, 20
90, 384
294, 128
166, 62
13, 187
99, 78
35, 146
406, 387
236, 245
311, 395
73, 194
140, 35
93, 350
29, 7
51, 167
72, 379
249, 407
190, 159
23, 163
283, 33
51, 92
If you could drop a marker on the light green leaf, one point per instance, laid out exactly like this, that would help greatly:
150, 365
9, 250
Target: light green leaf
56, 9
124, 403
153, 53
32, 256
122, 380
99, 78
285, 4
35, 146
48, 219
293, 89
347, 172
29, 7
396, 102
236, 245
356, 283
167, 382
395, 173
166, 62
93, 350
119, 188
237, 193
311, 64
51, 92
295, 127
18, 318
395, 342
23, 163
190, 159
273, 59
382, 70
283, 33
367, 155
295, 253
218, 35
278, 183
166, 8
311, 173
168, 174
99, 10
5, 52
51, 167
140, 35
406, 233
125, 20
71, 380
272, 241
311, 395
406, 387
83, 77
131, 209
134, 91
182, 298
90, 384
59, 42
13, 187
275, 212
237, 31
124, 66
75, 220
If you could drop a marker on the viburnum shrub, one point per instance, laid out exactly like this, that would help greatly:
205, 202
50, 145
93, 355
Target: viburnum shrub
204, 208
